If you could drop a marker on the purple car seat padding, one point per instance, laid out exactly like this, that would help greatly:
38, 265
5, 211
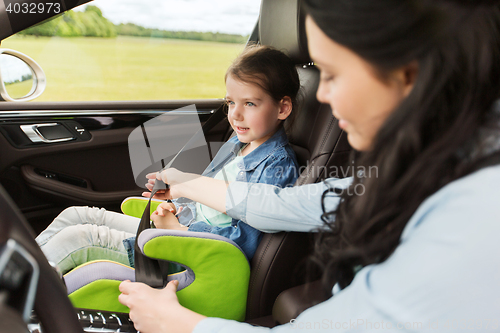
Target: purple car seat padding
95, 270
185, 278
109, 270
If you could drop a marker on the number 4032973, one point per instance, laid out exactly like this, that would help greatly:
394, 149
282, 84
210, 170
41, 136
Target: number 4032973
33, 8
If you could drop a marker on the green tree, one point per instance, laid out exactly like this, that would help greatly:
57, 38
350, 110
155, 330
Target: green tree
89, 23
95, 9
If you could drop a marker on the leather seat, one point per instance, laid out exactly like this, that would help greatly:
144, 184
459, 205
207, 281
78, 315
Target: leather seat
321, 148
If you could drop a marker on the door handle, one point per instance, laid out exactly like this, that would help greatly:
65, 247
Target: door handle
47, 133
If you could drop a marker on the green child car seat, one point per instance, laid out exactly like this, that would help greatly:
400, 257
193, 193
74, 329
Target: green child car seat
214, 282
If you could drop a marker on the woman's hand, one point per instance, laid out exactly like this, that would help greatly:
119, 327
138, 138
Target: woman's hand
173, 177
157, 310
160, 194
205, 190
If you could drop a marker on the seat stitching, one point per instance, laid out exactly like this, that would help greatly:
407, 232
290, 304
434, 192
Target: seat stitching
258, 268
272, 262
328, 132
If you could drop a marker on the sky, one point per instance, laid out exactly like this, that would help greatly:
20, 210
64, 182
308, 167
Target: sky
12, 68
227, 16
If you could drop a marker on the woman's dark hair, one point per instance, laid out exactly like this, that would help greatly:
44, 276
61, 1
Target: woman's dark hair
421, 147
271, 70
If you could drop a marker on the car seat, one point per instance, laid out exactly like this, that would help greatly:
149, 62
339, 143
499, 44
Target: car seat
320, 146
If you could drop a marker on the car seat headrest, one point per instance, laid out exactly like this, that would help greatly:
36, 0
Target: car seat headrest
277, 28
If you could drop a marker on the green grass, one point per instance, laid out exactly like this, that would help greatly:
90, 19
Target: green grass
128, 68
19, 89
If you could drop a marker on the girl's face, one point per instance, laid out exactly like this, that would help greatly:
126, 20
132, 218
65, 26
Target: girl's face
252, 113
358, 98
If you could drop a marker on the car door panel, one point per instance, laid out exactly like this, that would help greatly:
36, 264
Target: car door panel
43, 178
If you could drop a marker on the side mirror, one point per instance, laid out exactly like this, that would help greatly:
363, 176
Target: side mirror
21, 78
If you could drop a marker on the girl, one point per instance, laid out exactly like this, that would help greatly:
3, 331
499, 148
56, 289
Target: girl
414, 83
262, 86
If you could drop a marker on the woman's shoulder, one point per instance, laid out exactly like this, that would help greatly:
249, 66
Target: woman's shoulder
468, 202
479, 186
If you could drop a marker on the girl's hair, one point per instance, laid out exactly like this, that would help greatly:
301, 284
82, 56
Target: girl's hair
422, 146
271, 70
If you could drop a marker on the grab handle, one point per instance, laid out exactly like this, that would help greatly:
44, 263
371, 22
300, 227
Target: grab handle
47, 133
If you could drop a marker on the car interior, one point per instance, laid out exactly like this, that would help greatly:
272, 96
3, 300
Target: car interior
39, 179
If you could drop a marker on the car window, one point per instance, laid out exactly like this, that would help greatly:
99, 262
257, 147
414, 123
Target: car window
110, 50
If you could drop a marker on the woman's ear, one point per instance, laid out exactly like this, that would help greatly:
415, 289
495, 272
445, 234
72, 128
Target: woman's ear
411, 73
285, 106
406, 77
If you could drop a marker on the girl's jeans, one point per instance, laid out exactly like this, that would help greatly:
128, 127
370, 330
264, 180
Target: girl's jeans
82, 234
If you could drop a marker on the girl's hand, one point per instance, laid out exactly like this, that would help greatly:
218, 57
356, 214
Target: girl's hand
167, 221
157, 310
165, 206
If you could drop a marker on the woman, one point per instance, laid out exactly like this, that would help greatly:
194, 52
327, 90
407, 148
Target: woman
414, 84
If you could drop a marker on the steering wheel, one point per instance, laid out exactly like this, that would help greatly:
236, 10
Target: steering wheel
26, 278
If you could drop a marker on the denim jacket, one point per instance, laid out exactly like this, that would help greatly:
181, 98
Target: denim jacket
273, 162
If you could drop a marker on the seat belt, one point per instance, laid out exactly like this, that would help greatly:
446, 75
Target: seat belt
154, 272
